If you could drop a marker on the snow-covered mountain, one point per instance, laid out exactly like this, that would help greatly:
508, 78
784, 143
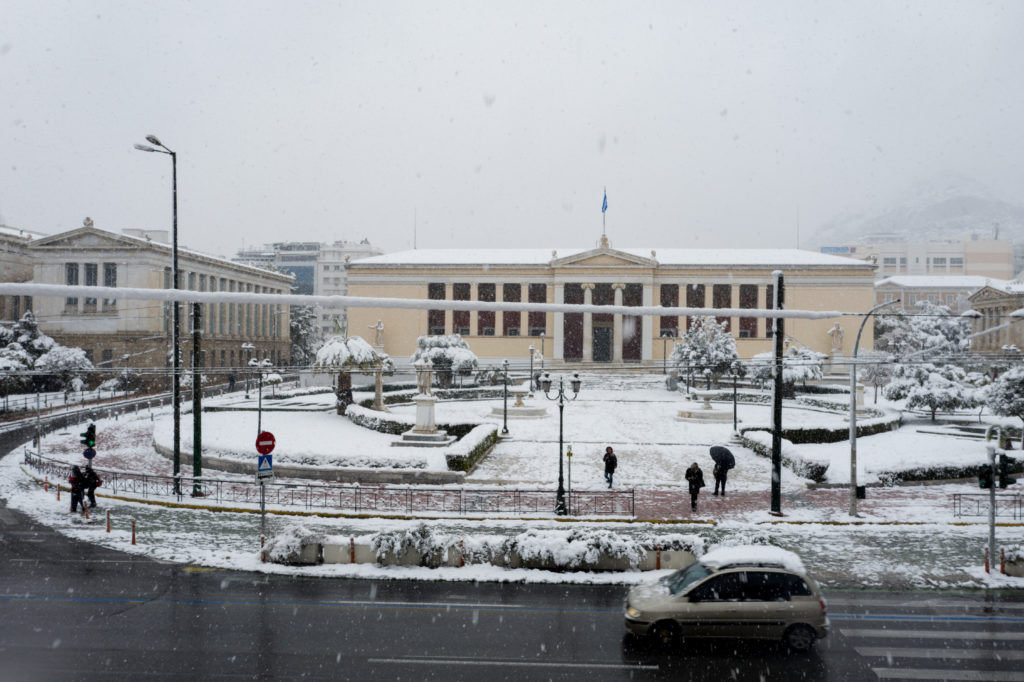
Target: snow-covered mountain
950, 207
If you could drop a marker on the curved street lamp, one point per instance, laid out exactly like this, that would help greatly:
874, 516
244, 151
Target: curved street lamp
504, 381
561, 397
176, 315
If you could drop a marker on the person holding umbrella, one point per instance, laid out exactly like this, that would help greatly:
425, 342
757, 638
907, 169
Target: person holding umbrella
724, 461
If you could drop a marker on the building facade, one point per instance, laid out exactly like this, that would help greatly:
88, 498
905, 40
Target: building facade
894, 255
994, 303
137, 334
950, 290
15, 266
604, 276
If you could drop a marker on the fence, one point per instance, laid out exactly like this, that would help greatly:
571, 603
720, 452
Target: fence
383, 499
977, 504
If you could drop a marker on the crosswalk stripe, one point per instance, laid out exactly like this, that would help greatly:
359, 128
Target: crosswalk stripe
983, 654
932, 634
940, 674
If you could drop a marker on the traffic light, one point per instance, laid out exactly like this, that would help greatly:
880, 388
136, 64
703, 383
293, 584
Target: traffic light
985, 476
89, 437
1004, 471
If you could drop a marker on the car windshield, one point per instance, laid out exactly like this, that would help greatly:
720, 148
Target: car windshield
683, 578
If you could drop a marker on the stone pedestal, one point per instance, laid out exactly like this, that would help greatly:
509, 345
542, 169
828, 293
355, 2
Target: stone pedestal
706, 412
519, 410
425, 433
425, 414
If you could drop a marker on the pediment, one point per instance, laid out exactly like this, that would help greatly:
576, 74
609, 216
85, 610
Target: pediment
86, 238
987, 293
605, 257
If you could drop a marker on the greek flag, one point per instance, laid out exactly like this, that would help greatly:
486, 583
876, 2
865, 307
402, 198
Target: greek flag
604, 204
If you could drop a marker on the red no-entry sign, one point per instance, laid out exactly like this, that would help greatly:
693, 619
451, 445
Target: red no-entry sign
265, 443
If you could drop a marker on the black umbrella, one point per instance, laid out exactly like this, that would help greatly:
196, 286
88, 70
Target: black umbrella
722, 456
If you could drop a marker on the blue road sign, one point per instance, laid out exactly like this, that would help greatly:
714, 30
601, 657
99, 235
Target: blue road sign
265, 463
89, 453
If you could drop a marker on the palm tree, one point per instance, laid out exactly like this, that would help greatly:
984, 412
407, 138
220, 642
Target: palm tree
342, 355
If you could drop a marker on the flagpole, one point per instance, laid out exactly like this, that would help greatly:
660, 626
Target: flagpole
604, 211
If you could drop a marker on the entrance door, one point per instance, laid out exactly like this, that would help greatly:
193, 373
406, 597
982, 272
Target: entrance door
602, 344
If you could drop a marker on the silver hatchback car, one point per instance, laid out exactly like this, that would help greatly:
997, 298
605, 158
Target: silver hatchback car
737, 592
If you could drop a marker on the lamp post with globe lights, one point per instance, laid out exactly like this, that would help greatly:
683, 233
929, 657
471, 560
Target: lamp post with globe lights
562, 398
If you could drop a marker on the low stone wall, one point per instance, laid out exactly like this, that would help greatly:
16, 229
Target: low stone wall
360, 552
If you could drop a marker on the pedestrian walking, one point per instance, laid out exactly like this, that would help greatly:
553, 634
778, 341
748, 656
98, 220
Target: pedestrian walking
231, 382
721, 472
695, 477
77, 481
92, 481
610, 464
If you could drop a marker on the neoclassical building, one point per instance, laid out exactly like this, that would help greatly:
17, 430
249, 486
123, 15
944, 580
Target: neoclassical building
116, 333
994, 303
695, 278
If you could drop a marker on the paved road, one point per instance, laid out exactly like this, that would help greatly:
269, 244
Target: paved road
71, 610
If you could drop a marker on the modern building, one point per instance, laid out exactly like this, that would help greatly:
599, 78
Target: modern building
949, 290
894, 255
698, 278
116, 333
15, 266
994, 303
319, 268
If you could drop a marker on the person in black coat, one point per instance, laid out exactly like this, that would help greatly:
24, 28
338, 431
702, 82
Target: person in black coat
695, 477
92, 481
77, 481
610, 464
721, 473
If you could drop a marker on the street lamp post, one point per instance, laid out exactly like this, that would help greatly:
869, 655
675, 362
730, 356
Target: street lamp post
176, 315
666, 334
561, 397
248, 348
532, 384
735, 420
504, 377
542, 337
261, 366
853, 407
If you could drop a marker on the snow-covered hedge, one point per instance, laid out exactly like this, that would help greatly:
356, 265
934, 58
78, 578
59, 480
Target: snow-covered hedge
943, 472
299, 392
406, 395
287, 546
822, 388
464, 454
573, 548
802, 435
1014, 553
807, 467
394, 424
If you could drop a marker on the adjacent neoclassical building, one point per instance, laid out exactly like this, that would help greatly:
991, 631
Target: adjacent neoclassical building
697, 278
994, 304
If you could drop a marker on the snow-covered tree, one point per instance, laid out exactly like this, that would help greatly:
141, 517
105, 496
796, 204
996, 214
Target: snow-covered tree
306, 336
342, 355
1005, 396
938, 389
14, 366
64, 367
930, 327
874, 368
798, 364
449, 354
706, 348
26, 332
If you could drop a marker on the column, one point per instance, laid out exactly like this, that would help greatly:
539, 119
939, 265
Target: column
617, 324
588, 324
556, 332
474, 294
499, 317
647, 324
449, 295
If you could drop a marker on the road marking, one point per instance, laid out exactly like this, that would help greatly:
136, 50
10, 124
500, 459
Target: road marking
514, 664
983, 654
926, 619
925, 604
932, 634
941, 674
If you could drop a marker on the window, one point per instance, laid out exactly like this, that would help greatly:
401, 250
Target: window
511, 320
950, 300
460, 318
669, 299
71, 279
721, 295
108, 356
888, 298
91, 280
694, 299
485, 318
889, 262
538, 293
435, 318
956, 262
724, 587
769, 304
939, 262
110, 280
748, 299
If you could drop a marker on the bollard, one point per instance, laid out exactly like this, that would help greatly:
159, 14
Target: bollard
108, 520
85, 509
58, 492
657, 558
986, 559
1002, 560
46, 484
133, 531
263, 554
351, 550
462, 553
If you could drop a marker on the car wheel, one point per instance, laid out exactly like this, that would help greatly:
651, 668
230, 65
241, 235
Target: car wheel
799, 638
665, 633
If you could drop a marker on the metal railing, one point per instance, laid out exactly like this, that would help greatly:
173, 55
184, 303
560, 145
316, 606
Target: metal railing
356, 498
977, 504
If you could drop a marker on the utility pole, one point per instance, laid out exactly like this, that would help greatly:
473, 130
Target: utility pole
197, 401
777, 331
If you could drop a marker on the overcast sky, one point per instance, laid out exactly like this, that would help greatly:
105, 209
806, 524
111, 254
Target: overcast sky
499, 124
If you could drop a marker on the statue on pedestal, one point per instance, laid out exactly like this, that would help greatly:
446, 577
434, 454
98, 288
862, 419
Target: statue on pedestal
836, 332
379, 338
424, 376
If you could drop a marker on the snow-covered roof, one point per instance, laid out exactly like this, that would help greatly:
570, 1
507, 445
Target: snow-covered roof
8, 231
940, 282
539, 257
753, 555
